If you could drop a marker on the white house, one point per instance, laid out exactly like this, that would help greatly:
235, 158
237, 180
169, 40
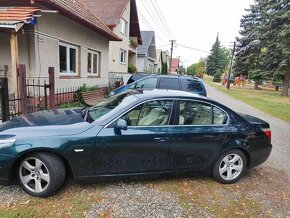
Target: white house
122, 18
62, 34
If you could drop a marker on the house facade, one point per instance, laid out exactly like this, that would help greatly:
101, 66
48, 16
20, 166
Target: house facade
174, 66
121, 17
146, 54
61, 34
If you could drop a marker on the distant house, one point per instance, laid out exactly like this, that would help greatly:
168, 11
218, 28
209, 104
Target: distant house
62, 34
162, 60
122, 18
174, 66
146, 54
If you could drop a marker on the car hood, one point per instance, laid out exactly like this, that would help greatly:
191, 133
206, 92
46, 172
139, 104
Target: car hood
45, 123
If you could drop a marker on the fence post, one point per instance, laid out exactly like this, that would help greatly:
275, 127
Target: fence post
51, 88
21, 72
5, 100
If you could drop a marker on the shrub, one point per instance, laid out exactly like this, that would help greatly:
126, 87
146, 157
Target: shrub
78, 94
132, 68
217, 78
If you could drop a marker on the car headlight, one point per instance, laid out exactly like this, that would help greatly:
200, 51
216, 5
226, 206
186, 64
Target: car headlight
6, 142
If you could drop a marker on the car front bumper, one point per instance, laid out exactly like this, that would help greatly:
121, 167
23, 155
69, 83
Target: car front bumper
6, 169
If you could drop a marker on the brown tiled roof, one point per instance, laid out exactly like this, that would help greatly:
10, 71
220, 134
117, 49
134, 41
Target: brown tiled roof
109, 11
17, 14
72, 9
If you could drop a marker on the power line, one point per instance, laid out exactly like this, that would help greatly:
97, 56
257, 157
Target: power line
153, 19
160, 21
184, 46
163, 20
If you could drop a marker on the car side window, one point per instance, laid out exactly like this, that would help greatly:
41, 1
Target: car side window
191, 85
149, 83
219, 116
199, 113
169, 83
153, 113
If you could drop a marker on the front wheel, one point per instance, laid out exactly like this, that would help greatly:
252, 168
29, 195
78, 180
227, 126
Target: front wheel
230, 167
41, 174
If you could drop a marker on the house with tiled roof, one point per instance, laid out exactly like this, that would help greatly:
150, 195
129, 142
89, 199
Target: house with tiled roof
122, 18
174, 66
63, 34
146, 53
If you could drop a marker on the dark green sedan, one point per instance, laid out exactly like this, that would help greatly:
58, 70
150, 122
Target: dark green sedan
134, 133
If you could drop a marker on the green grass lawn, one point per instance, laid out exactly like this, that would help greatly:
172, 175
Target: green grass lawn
266, 100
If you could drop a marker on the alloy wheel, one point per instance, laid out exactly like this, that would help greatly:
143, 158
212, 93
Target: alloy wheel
34, 175
231, 167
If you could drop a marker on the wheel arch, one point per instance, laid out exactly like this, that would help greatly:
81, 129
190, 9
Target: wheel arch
39, 150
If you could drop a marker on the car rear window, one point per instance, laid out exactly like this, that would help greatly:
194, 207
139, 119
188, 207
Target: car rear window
169, 83
191, 85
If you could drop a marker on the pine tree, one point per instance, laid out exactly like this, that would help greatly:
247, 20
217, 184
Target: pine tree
218, 61
276, 37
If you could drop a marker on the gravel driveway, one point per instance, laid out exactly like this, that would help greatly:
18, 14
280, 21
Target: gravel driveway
263, 191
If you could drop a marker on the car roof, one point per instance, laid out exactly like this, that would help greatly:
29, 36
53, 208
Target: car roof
143, 75
164, 93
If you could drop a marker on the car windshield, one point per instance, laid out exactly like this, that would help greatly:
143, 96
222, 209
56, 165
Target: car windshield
109, 105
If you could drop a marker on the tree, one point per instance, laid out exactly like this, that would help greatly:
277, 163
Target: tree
164, 69
218, 60
268, 23
247, 59
276, 35
197, 69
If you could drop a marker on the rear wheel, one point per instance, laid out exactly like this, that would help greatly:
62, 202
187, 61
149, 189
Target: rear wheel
230, 167
41, 174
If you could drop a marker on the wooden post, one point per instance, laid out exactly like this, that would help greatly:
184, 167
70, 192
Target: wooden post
51, 88
14, 62
5, 100
22, 88
5, 71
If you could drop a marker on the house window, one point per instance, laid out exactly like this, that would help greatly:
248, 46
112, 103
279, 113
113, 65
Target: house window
93, 63
124, 26
68, 59
122, 56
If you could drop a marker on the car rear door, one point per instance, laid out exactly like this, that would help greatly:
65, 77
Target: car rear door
199, 130
143, 147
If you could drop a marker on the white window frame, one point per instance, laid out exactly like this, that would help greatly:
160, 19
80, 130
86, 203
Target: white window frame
91, 52
125, 56
68, 47
123, 24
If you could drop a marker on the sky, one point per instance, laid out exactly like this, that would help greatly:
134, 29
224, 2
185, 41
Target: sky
192, 23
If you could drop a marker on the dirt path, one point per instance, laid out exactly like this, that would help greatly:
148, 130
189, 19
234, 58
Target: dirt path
280, 129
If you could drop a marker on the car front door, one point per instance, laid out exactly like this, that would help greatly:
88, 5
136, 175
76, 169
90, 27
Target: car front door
199, 131
143, 147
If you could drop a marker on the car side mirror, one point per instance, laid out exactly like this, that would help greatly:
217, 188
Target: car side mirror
121, 124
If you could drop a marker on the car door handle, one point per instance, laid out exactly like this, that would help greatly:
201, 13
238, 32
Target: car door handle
160, 139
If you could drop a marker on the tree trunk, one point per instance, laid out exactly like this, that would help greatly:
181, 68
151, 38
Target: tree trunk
285, 84
276, 88
256, 87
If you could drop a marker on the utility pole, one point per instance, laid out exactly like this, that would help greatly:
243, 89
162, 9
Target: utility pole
231, 66
171, 53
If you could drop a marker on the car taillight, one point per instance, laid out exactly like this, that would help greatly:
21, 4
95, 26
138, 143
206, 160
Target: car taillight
267, 133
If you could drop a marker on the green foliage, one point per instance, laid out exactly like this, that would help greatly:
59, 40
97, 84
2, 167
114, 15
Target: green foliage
268, 23
217, 77
132, 68
164, 69
78, 94
219, 59
71, 105
197, 69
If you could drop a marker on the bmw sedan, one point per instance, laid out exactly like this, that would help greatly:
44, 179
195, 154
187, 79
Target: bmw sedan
133, 133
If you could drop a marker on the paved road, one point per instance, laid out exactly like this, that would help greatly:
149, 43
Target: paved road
280, 155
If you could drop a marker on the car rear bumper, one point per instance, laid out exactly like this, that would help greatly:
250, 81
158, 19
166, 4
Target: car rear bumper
259, 156
6, 172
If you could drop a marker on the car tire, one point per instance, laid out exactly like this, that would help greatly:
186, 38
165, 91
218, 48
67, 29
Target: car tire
230, 167
41, 174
